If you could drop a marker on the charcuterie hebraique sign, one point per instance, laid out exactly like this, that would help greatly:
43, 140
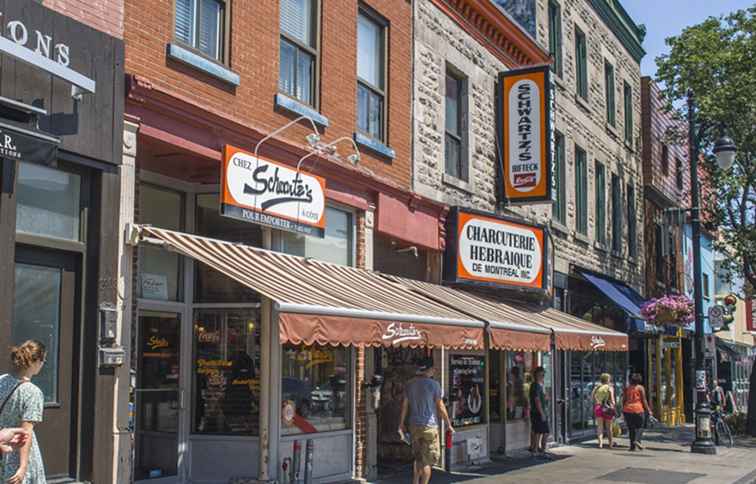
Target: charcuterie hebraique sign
494, 251
258, 190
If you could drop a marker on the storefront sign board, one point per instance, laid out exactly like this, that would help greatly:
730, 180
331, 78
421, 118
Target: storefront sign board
524, 132
261, 191
490, 250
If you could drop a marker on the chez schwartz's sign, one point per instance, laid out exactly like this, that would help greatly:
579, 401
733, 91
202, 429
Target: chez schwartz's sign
261, 191
494, 251
524, 132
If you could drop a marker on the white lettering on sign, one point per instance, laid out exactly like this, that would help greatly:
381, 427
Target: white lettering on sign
276, 190
499, 251
597, 342
525, 135
19, 33
396, 333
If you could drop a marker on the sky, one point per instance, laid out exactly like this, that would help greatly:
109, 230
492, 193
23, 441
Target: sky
667, 18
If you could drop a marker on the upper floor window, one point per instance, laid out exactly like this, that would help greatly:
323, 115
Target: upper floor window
555, 36
371, 76
298, 50
600, 203
336, 247
581, 189
611, 108
628, 113
679, 173
665, 159
632, 242
616, 214
455, 152
201, 25
581, 63
559, 209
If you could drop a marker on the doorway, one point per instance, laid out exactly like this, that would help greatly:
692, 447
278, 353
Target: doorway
47, 308
158, 397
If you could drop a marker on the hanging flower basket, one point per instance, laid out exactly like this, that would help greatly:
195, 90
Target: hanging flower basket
673, 309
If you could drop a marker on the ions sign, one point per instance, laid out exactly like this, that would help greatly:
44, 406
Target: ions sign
524, 130
264, 192
495, 251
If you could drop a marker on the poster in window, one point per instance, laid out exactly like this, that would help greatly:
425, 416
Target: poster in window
467, 384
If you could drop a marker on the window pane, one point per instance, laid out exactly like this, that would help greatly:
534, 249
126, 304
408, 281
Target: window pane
363, 102
226, 372
335, 247
47, 202
315, 382
210, 22
370, 51
519, 379
559, 209
159, 207
160, 270
297, 19
452, 104
375, 116
36, 312
628, 113
287, 66
305, 68
453, 156
609, 86
184, 28
555, 36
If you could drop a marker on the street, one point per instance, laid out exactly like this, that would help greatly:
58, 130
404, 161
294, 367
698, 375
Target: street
666, 460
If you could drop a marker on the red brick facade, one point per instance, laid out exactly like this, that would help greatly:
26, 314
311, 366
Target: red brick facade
104, 15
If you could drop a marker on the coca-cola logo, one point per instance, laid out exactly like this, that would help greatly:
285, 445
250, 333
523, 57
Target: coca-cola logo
397, 333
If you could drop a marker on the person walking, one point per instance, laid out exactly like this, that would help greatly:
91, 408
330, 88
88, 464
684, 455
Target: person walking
22, 403
539, 422
604, 409
634, 409
424, 406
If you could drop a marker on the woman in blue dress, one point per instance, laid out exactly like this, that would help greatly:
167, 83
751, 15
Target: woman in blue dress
22, 403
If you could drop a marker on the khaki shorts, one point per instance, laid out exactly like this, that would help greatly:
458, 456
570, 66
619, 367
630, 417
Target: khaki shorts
426, 448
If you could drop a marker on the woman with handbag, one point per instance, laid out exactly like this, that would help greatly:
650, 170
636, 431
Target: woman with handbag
604, 409
21, 404
635, 410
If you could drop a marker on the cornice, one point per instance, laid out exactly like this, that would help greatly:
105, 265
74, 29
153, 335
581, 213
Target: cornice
496, 31
622, 25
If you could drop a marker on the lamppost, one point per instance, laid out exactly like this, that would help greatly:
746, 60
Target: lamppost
724, 150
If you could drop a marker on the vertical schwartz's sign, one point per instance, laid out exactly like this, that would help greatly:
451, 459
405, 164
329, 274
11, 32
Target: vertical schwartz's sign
524, 131
490, 250
260, 191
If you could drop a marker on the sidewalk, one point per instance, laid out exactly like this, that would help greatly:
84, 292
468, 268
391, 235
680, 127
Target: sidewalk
666, 460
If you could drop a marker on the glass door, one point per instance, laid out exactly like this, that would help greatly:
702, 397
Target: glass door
158, 396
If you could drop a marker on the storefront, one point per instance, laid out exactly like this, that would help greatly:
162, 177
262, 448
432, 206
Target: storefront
61, 129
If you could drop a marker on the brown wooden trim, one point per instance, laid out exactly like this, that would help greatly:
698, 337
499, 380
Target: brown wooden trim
7, 264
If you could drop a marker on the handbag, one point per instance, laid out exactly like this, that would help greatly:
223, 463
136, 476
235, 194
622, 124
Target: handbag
607, 408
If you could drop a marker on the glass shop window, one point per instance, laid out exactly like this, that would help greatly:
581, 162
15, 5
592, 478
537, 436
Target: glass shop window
48, 202
494, 388
160, 271
467, 389
336, 246
315, 389
211, 286
519, 378
226, 376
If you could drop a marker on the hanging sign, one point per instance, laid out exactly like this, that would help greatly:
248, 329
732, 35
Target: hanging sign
25, 145
491, 250
524, 132
262, 191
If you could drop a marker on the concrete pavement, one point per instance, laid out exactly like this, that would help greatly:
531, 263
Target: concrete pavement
666, 460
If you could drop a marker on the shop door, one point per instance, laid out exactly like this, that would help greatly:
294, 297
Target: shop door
46, 309
158, 397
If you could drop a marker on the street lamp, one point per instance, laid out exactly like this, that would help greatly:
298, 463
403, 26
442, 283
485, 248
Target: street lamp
724, 149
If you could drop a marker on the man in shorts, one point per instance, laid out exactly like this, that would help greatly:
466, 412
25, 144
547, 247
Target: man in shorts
424, 406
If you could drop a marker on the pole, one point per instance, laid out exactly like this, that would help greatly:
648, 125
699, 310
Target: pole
702, 443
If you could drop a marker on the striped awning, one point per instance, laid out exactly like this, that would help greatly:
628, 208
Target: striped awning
323, 303
574, 334
509, 327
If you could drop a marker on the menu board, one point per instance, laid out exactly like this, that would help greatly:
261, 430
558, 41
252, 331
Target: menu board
467, 385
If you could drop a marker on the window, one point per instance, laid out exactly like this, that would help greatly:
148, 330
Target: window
581, 195
679, 173
298, 50
581, 60
467, 377
665, 159
226, 376
456, 129
706, 290
48, 202
371, 95
160, 271
659, 249
559, 209
632, 242
337, 246
600, 203
519, 378
628, 113
555, 36
616, 214
200, 24
611, 108
315, 383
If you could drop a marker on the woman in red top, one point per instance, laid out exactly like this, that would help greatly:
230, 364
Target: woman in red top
635, 404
